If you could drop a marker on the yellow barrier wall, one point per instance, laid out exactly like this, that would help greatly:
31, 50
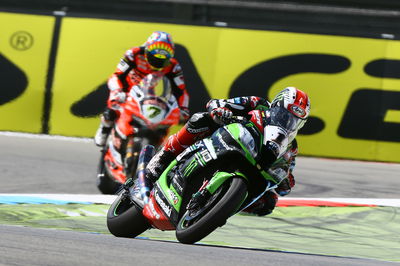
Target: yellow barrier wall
352, 82
24, 54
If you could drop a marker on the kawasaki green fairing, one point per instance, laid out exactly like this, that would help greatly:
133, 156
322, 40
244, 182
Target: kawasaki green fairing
232, 150
206, 184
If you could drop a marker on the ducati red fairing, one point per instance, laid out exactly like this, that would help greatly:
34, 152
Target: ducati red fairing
142, 117
113, 159
132, 109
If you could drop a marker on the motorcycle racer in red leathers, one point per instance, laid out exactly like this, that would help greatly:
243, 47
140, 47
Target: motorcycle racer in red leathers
203, 124
156, 55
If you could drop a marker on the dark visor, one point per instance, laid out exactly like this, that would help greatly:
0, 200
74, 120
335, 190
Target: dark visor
156, 62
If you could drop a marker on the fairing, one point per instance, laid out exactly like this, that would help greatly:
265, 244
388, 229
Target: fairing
146, 116
234, 140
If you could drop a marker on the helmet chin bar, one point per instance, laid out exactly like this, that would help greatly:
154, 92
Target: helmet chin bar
277, 138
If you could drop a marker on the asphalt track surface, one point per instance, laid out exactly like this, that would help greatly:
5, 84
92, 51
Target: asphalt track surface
50, 165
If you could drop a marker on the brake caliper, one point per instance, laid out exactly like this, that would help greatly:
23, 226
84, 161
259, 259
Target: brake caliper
199, 198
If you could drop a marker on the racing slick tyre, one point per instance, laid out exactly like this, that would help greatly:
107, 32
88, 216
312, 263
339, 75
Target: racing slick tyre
104, 182
125, 219
193, 227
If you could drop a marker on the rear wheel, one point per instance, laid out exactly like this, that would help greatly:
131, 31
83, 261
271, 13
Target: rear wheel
197, 224
125, 219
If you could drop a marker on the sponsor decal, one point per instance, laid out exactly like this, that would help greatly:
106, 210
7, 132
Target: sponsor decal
153, 210
205, 154
177, 185
192, 165
257, 118
164, 206
198, 130
173, 196
123, 66
297, 110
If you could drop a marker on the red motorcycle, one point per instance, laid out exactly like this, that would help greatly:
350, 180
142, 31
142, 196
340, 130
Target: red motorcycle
146, 116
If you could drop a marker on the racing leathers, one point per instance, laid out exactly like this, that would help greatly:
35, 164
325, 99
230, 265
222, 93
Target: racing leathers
203, 124
132, 68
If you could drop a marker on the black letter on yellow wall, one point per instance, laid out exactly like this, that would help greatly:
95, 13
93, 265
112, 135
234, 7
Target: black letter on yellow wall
259, 79
92, 104
365, 114
13, 81
383, 68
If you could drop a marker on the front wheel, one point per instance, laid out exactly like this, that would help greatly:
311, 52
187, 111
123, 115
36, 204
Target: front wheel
125, 219
221, 205
105, 183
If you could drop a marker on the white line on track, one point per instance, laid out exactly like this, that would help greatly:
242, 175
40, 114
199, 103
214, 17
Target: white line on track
44, 136
363, 201
108, 199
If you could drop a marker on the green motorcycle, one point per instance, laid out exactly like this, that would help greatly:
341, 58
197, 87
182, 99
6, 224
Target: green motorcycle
209, 181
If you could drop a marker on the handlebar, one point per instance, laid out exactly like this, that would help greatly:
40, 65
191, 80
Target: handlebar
238, 119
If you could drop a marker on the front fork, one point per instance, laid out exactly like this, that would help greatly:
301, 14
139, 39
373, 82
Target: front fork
132, 152
145, 184
209, 187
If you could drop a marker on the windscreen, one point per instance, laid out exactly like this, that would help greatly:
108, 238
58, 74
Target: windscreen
156, 84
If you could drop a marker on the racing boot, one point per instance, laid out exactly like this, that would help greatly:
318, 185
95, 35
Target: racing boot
158, 164
264, 205
102, 132
176, 143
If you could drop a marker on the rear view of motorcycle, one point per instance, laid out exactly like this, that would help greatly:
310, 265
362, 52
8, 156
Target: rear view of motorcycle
146, 116
208, 182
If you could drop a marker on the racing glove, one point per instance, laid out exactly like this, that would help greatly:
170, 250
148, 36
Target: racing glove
117, 96
221, 115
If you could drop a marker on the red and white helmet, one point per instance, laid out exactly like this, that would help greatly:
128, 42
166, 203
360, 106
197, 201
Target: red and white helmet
295, 101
